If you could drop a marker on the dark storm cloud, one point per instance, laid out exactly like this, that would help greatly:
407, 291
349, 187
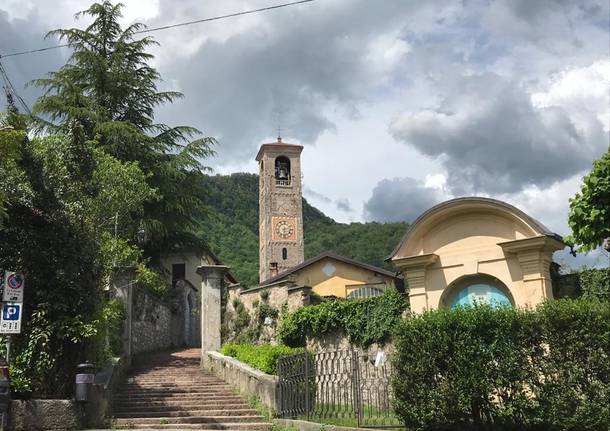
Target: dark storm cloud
344, 205
491, 138
25, 34
289, 72
399, 199
309, 193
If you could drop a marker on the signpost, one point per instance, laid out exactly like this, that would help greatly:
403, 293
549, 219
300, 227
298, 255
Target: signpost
12, 307
13, 287
10, 322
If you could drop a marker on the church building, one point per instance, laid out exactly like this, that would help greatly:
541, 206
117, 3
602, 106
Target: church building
476, 250
284, 274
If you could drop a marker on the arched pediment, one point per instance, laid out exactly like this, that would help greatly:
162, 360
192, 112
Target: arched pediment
467, 221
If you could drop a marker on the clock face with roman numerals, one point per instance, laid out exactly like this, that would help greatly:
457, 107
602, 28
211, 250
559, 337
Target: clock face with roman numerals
284, 229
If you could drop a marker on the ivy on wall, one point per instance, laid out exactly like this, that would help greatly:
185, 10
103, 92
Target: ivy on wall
364, 321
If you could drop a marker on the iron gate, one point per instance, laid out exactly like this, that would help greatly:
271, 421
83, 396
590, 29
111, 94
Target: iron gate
342, 387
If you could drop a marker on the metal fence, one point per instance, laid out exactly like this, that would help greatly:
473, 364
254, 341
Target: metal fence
343, 387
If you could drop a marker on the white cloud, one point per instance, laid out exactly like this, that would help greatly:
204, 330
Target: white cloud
584, 92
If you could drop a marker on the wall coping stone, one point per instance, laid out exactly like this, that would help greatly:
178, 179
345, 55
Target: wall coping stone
242, 367
243, 377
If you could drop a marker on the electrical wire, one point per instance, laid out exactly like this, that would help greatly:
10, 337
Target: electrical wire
165, 27
9, 87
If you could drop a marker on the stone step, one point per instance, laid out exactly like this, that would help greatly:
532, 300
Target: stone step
177, 390
190, 420
186, 384
186, 413
171, 403
168, 391
227, 426
177, 397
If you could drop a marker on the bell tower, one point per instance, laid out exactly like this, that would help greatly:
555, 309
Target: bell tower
280, 208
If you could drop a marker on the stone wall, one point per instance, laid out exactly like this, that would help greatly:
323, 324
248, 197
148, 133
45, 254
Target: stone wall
243, 378
339, 341
34, 415
284, 298
151, 324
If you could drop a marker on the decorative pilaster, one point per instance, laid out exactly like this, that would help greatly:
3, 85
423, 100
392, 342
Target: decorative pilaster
534, 256
414, 268
212, 277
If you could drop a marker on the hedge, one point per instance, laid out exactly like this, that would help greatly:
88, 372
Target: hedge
503, 369
364, 321
595, 282
262, 357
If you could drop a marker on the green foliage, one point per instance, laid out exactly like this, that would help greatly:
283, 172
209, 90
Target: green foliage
230, 227
114, 315
590, 209
109, 89
152, 281
595, 283
482, 368
367, 242
236, 324
364, 321
262, 357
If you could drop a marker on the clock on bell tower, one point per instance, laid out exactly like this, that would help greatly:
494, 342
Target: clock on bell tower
280, 208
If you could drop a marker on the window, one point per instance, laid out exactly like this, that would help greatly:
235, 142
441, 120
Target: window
365, 292
282, 171
480, 293
284, 253
178, 272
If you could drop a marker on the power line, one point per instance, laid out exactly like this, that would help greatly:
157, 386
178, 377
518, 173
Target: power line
10, 88
165, 27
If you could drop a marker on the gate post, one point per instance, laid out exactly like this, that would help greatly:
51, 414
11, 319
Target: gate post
211, 293
356, 386
307, 388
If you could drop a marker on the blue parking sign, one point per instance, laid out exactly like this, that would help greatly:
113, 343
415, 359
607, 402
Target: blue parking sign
10, 320
10, 311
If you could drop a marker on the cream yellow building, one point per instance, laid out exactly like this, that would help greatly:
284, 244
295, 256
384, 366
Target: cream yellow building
331, 275
476, 250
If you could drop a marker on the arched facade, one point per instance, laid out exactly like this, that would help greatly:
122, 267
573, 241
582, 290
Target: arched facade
481, 244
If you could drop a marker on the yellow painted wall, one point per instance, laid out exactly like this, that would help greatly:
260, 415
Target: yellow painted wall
334, 283
467, 241
191, 260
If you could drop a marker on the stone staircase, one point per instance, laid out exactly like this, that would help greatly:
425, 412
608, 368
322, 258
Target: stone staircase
169, 391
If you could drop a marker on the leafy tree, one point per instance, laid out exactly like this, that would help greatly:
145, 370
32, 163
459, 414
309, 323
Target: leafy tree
12, 135
109, 88
589, 216
57, 232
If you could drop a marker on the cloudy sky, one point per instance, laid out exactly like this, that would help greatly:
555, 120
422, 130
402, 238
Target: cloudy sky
400, 104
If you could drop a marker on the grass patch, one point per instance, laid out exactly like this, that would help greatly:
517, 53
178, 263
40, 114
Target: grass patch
262, 357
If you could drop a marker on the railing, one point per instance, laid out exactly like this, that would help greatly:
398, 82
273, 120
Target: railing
342, 387
282, 182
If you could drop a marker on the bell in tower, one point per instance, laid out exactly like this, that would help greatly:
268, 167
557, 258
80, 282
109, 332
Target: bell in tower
282, 170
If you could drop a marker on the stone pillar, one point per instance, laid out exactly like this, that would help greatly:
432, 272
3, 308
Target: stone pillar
212, 277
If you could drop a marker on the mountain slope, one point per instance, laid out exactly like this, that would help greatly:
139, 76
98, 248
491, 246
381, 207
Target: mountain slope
231, 229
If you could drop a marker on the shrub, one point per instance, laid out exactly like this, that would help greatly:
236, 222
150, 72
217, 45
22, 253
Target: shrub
263, 357
483, 368
365, 321
595, 283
